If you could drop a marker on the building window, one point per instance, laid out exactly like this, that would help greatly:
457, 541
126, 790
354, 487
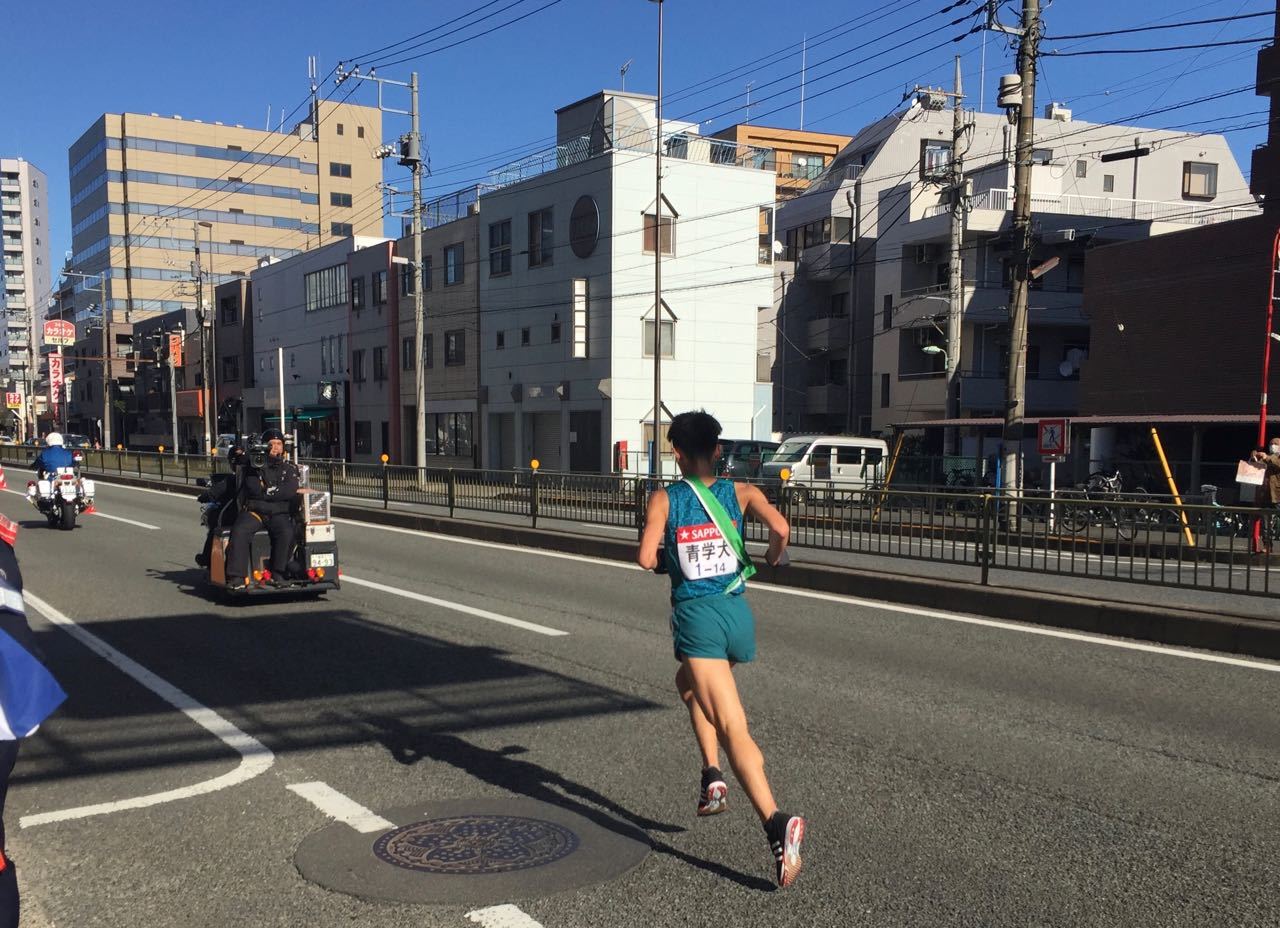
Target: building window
230, 370
359, 132
884, 391
338, 169
379, 287
449, 433
426, 273
357, 293
340, 229
326, 287
454, 268
886, 313
935, 158
500, 248
455, 347
499, 339
1199, 180
668, 338
555, 333
541, 237
406, 279
340, 130
1082, 168
339, 199
380, 363
406, 354
1042, 156
229, 307
668, 233
1108, 183
524, 336
357, 365
364, 438
428, 351
580, 318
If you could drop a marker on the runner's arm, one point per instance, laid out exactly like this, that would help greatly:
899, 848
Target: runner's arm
761, 509
655, 522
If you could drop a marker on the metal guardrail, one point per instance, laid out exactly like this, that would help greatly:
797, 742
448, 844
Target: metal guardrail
1118, 537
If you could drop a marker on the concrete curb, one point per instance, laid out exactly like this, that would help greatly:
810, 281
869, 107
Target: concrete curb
1164, 625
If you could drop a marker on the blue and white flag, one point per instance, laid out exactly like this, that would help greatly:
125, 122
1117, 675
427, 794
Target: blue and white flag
28, 692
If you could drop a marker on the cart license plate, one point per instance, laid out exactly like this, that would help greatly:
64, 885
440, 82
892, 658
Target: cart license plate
322, 560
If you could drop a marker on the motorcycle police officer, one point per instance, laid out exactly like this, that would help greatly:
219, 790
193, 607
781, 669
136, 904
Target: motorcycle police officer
54, 456
267, 497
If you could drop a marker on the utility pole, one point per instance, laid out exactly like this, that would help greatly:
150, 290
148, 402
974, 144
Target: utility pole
410, 156
197, 270
956, 199
955, 309
107, 372
1015, 396
655, 455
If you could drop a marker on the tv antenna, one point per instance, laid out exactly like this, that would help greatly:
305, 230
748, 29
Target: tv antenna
622, 72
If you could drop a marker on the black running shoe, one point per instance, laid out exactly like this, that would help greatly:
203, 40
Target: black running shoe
786, 834
714, 797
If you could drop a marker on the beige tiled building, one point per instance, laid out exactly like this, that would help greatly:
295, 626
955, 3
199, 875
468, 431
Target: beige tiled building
147, 190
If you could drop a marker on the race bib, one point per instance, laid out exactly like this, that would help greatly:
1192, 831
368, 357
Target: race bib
704, 552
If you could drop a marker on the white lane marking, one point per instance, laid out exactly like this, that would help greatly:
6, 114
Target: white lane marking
871, 604
337, 806
609, 528
255, 757
502, 916
154, 528
456, 607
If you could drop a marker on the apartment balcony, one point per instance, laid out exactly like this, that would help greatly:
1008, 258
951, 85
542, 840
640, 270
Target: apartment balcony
989, 208
1264, 170
12, 185
1268, 73
830, 333
989, 303
827, 397
11, 222
983, 392
826, 261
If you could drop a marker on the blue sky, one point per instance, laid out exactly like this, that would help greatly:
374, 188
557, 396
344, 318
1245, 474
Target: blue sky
493, 98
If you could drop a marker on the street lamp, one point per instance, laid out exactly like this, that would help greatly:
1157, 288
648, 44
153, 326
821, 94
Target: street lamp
655, 456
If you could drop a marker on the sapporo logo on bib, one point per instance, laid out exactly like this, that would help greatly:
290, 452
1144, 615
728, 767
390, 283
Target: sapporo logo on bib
704, 552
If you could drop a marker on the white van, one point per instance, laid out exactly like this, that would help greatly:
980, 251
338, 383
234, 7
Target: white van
838, 462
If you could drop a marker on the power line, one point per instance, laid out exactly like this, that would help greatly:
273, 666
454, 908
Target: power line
463, 41
367, 55
1164, 48
1193, 22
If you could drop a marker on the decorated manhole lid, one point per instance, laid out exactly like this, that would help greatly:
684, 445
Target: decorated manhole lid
476, 844
473, 852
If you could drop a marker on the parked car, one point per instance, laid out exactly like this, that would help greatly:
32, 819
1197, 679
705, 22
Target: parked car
827, 462
743, 458
72, 440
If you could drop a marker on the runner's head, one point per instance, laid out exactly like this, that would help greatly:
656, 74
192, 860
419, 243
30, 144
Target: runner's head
695, 438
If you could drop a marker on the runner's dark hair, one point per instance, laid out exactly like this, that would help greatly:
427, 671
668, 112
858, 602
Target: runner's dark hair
695, 434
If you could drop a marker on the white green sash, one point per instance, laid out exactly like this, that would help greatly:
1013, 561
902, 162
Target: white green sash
728, 529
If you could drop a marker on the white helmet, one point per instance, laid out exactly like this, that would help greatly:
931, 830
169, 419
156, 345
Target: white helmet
53, 440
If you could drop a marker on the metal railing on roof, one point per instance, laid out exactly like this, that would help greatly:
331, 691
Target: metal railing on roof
1176, 211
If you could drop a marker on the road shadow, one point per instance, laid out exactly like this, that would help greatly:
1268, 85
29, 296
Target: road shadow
296, 675
502, 769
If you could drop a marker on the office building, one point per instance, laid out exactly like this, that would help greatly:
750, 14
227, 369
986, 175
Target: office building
24, 233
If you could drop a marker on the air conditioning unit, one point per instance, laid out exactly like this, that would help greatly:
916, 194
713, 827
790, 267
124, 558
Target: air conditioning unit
926, 254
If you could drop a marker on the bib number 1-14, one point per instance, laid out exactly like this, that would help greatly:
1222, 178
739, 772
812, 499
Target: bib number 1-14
704, 552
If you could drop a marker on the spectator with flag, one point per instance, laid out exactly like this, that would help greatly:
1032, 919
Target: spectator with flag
28, 695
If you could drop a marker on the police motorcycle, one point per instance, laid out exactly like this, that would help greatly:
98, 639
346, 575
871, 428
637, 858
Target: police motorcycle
61, 494
313, 566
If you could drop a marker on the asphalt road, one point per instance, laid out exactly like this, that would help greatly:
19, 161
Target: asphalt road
954, 773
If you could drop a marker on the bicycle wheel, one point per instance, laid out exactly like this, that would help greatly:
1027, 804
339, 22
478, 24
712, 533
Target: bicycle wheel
1123, 519
1074, 514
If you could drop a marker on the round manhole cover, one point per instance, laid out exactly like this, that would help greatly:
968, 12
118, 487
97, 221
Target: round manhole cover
476, 844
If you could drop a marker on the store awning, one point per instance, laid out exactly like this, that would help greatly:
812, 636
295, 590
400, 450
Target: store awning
307, 415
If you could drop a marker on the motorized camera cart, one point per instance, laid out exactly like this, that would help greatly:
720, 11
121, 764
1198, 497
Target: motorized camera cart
313, 564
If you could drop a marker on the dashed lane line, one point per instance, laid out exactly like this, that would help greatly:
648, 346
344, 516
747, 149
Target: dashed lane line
103, 515
456, 607
255, 757
339, 807
502, 916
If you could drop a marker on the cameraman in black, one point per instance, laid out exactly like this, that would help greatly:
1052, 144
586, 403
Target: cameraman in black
268, 494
